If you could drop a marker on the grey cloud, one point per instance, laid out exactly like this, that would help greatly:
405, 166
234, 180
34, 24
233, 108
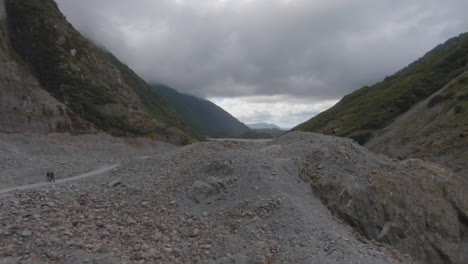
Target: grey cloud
321, 48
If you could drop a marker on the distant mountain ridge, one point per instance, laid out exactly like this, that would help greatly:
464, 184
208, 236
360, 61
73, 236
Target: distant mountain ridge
92, 84
205, 117
263, 126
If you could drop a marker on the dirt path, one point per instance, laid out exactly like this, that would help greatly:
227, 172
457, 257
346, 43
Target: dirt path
80, 176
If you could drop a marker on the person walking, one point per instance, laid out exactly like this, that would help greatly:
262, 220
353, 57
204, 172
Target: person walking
50, 176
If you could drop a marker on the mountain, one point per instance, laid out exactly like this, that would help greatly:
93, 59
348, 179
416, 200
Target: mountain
90, 86
360, 114
435, 129
262, 126
24, 106
205, 117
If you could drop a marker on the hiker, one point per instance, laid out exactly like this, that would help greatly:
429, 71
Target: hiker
334, 131
50, 176
324, 131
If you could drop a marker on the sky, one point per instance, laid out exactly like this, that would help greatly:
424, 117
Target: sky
273, 61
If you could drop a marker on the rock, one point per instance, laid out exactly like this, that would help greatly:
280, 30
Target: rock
195, 232
153, 253
131, 221
51, 204
114, 183
201, 190
26, 233
168, 250
414, 209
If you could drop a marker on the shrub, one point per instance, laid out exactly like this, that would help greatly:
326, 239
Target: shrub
439, 98
459, 109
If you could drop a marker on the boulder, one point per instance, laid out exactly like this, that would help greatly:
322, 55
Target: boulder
201, 190
114, 183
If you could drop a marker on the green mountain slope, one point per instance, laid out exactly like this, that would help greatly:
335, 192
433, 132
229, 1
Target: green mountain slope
436, 129
370, 108
91, 82
204, 116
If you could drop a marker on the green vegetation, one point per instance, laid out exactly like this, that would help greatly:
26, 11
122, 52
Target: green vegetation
373, 107
154, 102
456, 98
439, 98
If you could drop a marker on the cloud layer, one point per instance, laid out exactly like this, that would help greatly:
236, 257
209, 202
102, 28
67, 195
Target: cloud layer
284, 111
317, 49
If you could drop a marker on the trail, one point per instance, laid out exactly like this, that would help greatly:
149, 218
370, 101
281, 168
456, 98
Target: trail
80, 176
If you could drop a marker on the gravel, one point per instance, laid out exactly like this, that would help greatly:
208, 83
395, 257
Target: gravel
212, 202
25, 158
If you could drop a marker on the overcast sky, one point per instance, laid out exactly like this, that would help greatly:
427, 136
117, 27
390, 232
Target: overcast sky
279, 61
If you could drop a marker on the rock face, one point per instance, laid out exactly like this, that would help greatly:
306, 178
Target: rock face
91, 83
24, 106
435, 129
415, 205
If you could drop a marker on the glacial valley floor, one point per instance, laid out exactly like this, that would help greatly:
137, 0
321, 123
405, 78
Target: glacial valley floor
212, 202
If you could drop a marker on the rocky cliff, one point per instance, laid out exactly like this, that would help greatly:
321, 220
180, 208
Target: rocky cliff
417, 206
90, 82
24, 106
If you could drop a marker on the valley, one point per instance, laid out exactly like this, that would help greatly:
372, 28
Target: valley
147, 174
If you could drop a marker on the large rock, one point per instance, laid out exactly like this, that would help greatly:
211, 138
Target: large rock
417, 206
201, 190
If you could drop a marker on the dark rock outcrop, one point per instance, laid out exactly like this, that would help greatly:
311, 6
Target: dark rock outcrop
417, 206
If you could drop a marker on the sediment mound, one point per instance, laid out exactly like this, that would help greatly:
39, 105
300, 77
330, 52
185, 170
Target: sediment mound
242, 202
